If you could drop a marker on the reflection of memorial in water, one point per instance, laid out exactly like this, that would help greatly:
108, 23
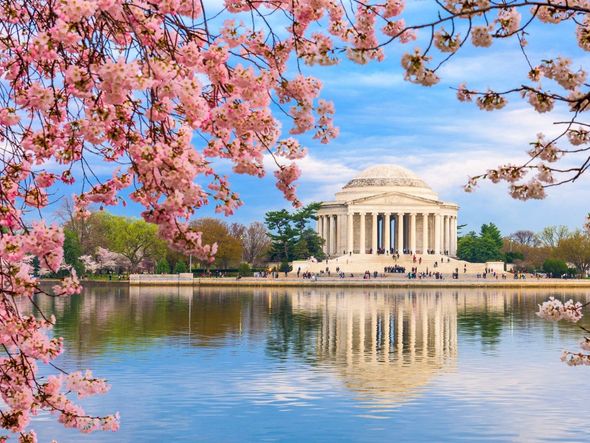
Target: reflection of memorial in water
385, 347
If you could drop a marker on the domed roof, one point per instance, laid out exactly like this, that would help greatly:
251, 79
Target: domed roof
387, 175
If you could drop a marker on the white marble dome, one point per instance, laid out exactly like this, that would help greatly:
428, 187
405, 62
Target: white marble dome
385, 178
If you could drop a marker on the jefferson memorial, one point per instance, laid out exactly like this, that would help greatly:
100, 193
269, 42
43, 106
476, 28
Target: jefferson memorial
388, 210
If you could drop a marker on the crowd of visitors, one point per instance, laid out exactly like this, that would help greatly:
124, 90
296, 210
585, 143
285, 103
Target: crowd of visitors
414, 274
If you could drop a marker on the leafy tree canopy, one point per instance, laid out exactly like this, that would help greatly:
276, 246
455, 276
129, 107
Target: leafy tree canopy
555, 267
290, 234
487, 246
575, 249
229, 247
73, 251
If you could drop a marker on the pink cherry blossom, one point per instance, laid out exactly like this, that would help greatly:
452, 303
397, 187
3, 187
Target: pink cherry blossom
555, 310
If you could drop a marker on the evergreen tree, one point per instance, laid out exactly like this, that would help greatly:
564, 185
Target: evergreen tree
492, 232
162, 267
290, 234
487, 246
180, 267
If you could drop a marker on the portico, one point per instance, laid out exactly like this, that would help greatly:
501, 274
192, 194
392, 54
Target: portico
388, 210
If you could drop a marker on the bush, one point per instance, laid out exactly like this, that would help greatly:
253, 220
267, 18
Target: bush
555, 267
245, 270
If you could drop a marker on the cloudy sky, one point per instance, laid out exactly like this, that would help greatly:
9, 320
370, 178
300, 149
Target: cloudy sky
383, 119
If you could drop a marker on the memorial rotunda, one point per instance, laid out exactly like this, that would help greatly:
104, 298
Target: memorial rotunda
385, 210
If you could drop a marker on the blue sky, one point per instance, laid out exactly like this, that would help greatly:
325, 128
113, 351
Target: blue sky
383, 119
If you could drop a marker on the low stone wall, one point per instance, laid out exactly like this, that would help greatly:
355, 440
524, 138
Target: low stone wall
161, 279
188, 280
391, 283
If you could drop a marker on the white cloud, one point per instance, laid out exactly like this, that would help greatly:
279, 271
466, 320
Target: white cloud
375, 79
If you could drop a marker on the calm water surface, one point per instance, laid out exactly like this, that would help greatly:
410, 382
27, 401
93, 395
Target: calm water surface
323, 365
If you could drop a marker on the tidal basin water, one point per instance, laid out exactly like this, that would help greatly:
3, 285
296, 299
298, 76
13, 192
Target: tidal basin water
303, 365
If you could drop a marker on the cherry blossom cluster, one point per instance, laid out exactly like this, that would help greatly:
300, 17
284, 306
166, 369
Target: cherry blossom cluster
104, 260
555, 310
481, 23
575, 358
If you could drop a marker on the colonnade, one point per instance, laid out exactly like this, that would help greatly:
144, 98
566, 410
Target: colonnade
378, 232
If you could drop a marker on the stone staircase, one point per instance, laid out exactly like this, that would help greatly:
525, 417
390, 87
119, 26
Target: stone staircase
358, 264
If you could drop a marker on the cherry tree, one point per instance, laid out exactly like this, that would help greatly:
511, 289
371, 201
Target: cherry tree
129, 84
90, 265
104, 260
162, 90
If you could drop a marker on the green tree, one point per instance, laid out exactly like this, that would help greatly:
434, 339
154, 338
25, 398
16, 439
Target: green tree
162, 267
308, 245
492, 232
290, 234
90, 232
555, 267
466, 246
73, 251
285, 267
180, 267
135, 239
487, 246
282, 233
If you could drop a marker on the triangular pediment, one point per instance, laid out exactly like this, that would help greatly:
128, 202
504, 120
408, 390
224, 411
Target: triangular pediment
394, 198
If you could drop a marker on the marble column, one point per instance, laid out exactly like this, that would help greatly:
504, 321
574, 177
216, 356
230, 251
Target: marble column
424, 233
386, 232
325, 233
455, 235
332, 243
374, 235
320, 229
446, 234
362, 249
400, 233
437, 234
341, 233
350, 233
413, 233
450, 234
